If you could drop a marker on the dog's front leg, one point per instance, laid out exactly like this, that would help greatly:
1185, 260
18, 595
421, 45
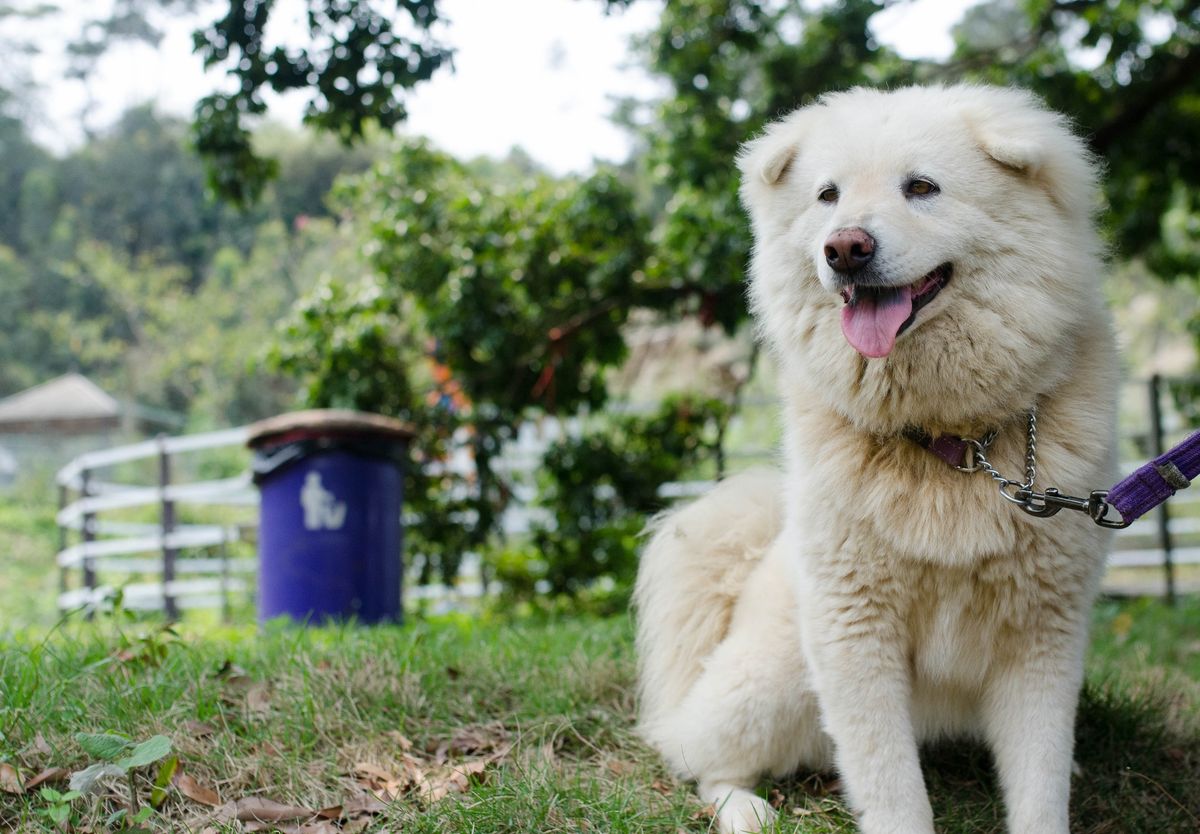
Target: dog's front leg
863, 684
1029, 718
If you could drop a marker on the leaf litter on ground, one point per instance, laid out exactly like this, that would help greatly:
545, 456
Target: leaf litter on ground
444, 766
10, 779
447, 766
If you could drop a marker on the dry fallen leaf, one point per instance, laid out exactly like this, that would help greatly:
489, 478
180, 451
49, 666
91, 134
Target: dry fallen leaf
197, 792
258, 699
49, 775
484, 738
268, 748
333, 812
40, 745
400, 739
234, 681
362, 806
199, 729
382, 781
353, 809
10, 780
257, 809
708, 812
776, 799
619, 767
455, 779
662, 787
320, 827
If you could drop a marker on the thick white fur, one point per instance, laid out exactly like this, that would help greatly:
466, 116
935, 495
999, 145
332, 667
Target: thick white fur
871, 597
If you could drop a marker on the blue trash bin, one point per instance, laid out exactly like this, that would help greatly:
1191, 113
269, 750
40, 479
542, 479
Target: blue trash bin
330, 535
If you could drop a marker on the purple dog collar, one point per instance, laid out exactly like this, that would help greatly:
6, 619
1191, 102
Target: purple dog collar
954, 451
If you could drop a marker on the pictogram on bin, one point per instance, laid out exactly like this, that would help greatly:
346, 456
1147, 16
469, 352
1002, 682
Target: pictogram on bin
330, 533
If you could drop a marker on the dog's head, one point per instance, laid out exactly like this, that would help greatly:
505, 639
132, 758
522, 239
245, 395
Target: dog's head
923, 256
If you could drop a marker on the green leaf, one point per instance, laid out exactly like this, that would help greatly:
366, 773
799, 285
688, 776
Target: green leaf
105, 746
166, 772
148, 752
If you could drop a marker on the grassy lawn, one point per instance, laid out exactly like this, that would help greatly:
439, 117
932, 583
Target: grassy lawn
507, 727
28, 578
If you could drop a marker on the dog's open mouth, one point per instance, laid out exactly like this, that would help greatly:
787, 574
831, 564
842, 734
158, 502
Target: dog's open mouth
874, 317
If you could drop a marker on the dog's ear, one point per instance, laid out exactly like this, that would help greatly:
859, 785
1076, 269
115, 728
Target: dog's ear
774, 163
767, 158
1017, 131
1015, 153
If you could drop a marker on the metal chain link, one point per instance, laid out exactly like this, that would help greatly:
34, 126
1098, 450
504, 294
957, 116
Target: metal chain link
981, 462
1041, 504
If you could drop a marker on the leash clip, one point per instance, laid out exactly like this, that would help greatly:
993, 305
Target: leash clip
1050, 502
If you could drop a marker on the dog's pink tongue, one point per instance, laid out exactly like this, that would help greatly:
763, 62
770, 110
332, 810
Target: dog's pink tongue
872, 322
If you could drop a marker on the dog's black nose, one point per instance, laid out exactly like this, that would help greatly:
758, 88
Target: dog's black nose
849, 249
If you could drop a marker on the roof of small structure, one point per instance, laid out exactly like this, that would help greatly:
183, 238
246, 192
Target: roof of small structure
70, 398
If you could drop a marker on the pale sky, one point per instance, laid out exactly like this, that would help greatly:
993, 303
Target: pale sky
542, 74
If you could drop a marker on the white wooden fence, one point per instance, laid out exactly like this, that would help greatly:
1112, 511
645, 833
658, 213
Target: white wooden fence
114, 548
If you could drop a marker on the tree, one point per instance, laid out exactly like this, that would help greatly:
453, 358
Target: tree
356, 67
20, 159
139, 189
517, 289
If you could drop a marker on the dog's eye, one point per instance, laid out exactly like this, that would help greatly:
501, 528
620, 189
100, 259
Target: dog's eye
920, 188
829, 194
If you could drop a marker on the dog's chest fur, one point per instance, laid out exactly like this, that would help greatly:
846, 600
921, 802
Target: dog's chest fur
887, 531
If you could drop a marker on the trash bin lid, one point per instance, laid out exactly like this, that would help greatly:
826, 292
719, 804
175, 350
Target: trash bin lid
325, 422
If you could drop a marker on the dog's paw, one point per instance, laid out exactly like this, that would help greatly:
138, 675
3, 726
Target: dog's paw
739, 811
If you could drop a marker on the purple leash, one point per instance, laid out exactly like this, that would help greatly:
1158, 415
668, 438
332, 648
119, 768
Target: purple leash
1136, 495
1158, 480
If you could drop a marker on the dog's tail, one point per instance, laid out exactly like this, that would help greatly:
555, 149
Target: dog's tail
690, 577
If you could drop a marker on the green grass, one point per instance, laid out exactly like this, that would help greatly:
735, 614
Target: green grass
289, 714
28, 577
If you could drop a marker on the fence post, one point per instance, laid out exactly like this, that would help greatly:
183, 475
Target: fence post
167, 528
88, 530
63, 537
226, 608
1163, 512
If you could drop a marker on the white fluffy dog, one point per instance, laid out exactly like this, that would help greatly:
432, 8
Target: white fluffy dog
925, 265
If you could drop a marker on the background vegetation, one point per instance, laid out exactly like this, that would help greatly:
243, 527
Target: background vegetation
225, 275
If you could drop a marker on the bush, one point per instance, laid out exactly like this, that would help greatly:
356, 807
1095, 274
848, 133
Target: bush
601, 487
